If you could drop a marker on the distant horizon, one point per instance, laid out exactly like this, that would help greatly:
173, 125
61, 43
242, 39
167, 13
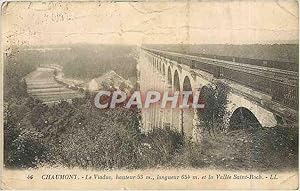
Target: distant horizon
276, 52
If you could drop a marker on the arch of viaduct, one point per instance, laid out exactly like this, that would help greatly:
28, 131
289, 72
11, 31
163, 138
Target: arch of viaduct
163, 74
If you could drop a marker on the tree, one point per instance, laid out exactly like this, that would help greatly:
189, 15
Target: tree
215, 97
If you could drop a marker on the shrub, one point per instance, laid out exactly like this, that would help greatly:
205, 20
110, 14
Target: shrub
26, 150
191, 155
159, 147
23, 143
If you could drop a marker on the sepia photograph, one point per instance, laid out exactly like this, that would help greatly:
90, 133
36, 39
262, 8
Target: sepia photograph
149, 94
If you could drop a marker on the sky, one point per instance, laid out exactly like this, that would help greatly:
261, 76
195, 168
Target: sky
213, 22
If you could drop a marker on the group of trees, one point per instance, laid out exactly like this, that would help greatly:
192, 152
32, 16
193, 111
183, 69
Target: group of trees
91, 61
21, 139
80, 135
14, 73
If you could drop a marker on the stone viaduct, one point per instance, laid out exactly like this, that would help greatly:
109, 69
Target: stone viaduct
268, 95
